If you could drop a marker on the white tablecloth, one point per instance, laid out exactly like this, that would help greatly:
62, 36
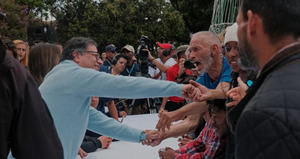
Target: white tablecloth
128, 150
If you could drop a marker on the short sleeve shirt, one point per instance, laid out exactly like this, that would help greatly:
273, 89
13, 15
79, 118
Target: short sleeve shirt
225, 76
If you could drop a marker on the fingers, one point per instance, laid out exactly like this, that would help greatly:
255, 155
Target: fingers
105, 141
82, 153
153, 138
242, 84
164, 121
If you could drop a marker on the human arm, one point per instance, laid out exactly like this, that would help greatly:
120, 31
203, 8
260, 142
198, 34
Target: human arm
159, 65
94, 83
189, 124
112, 109
163, 103
90, 144
100, 123
166, 118
210, 94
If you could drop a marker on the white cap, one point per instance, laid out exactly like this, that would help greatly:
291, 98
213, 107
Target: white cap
129, 48
231, 33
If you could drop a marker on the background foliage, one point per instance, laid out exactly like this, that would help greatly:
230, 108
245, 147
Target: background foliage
109, 21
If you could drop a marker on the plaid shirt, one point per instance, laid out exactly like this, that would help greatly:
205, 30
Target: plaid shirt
207, 146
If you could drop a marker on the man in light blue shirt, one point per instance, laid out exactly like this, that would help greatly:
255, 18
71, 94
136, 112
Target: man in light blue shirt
67, 89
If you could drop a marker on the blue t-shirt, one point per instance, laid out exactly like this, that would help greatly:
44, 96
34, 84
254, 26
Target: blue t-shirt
225, 76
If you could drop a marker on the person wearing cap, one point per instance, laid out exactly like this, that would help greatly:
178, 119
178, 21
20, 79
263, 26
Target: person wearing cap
175, 74
164, 60
110, 51
231, 52
132, 67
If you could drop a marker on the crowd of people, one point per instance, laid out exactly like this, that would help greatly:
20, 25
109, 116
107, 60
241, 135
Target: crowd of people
235, 98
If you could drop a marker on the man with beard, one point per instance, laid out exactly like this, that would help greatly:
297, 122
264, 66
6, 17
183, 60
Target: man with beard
268, 126
205, 52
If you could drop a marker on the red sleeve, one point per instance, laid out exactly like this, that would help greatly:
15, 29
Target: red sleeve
171, 74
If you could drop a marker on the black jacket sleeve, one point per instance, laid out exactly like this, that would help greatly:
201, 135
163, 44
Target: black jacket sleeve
90, 144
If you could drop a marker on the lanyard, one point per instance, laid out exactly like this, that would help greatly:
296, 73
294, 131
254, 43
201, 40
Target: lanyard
131, 69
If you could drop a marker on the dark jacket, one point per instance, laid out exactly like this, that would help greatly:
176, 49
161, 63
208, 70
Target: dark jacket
26, 127
269, 125
90, 144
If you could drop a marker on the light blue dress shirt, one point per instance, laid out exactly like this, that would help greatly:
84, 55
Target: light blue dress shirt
67, 89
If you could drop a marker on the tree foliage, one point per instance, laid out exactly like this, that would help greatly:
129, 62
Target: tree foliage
13, 20
110, 21
197, 14
120, 21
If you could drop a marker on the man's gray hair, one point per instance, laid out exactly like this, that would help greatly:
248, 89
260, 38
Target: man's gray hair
79, 44
209, 38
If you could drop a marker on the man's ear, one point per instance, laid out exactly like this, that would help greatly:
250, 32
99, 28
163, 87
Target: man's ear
253, 23
76, 56
215, 50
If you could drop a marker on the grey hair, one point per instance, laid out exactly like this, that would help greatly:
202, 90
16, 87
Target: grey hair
79, 44
209, 38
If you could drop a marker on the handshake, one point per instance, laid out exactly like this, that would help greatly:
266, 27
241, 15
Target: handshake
153, 138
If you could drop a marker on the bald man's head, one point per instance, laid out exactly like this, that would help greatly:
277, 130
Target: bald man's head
207, 38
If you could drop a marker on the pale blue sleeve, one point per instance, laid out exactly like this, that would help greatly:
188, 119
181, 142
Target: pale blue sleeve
100, 123
94, 83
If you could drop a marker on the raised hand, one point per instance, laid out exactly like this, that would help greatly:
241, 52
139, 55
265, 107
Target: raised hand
237, 93
166, 119
152, 138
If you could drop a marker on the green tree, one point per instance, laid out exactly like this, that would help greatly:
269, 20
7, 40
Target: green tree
14, 19
120, 21
197, 14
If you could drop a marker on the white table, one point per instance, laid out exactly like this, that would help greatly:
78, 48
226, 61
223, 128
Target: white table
129, 150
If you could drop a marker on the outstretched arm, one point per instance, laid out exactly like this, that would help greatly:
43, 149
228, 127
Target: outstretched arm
166, 118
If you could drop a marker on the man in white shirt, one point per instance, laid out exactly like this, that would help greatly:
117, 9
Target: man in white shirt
164, 60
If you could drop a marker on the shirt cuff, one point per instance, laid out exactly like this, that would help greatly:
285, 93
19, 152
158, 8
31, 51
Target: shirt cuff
142, 136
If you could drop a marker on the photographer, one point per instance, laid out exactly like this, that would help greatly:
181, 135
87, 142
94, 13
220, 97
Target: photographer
177, 73
132, 67
164, 60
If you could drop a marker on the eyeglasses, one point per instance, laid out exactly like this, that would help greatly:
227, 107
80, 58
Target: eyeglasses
94, 53
228, 48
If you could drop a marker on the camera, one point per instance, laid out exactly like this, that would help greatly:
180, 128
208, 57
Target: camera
142, 55
189, 64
